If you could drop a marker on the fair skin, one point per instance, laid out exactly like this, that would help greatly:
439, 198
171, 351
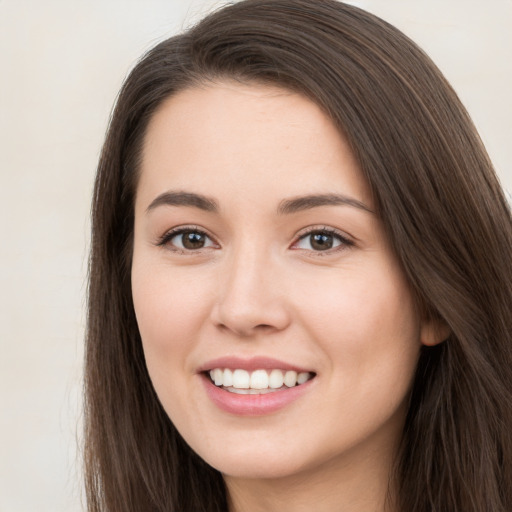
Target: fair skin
228, 265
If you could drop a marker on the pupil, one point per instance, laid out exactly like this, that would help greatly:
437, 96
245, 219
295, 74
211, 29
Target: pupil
193, 240
321, 241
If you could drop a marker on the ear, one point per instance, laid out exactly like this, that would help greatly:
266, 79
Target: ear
433, 332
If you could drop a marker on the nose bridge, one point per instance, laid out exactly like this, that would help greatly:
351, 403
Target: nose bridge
249, 296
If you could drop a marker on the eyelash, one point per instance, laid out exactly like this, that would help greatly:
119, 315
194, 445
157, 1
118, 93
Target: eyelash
167, 237
342, 238
344, 241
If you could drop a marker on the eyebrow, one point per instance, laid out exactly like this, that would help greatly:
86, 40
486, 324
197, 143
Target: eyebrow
287, 206
302, 203
184, 199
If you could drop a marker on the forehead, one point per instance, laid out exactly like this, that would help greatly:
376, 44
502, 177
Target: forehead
231, 138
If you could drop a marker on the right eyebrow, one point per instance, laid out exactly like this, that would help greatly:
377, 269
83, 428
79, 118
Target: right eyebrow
177, 198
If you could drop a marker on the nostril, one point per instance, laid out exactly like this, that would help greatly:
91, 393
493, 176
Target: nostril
265, 327
246, 330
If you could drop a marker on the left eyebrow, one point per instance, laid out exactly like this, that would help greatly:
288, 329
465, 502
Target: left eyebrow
298, 204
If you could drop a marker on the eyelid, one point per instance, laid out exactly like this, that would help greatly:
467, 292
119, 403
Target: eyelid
164, 240
346, 240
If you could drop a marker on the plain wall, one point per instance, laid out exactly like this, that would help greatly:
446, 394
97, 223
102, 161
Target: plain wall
61, 65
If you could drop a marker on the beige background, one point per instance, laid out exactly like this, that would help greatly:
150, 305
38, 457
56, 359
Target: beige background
61, 65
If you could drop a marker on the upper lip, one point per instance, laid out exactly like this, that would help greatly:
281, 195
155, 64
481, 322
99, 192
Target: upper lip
250, 364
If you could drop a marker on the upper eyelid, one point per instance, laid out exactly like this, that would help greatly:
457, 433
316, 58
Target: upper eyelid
327, 229
315, 229
171, 233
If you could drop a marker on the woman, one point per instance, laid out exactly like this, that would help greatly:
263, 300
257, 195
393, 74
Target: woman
300, 281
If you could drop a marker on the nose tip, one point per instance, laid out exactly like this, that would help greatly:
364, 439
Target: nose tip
247, 317
251, 301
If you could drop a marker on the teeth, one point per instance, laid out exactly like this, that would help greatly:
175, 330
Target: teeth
241, 379
227, 378
302, 377
218, 376
290, 379
276, 379
249, 391
258, 381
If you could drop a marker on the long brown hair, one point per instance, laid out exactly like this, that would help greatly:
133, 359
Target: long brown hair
441, 205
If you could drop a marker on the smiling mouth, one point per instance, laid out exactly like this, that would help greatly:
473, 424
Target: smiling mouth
257, 382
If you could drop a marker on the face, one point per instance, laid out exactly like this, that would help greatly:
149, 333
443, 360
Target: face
259, 261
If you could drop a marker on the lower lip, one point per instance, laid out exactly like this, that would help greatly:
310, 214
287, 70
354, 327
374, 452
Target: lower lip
253, 405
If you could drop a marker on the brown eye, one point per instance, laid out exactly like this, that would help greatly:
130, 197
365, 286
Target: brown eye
193, 240
187, 240
322, 240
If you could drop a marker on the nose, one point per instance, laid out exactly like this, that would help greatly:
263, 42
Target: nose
251, 297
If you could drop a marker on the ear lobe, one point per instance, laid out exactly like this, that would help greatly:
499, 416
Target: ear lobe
433, 332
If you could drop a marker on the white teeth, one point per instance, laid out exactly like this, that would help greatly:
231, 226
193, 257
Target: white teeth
258, 381
290, 378
228, 378
218, 376
249, 391
241, 379
302, 377
276, 379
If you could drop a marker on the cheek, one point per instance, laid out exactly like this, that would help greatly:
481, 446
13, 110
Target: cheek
367, 328
170, 307
365, 321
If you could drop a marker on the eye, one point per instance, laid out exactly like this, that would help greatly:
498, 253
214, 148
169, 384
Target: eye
187, 239
319, 240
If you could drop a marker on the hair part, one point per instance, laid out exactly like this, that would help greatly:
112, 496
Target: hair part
441, 205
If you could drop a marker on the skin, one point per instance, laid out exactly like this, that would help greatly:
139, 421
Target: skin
259, 287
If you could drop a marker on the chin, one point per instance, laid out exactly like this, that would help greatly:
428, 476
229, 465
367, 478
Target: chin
255, 462
258, 469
